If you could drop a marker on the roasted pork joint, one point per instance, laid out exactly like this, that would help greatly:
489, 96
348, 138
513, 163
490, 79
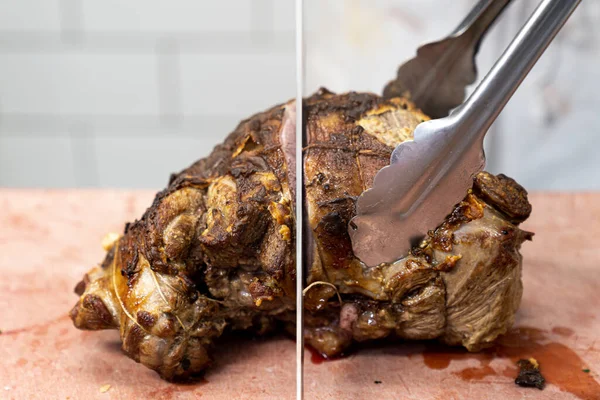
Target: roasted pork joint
215, 250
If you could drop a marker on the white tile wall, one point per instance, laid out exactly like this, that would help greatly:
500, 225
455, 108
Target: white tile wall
121, 93
248, 83
77, 82
37, 160
167, 16
284, 15
151, 160
29, 15
546, 137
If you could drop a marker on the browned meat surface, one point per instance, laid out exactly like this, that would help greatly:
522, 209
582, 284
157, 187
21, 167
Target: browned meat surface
462, 285
215, 251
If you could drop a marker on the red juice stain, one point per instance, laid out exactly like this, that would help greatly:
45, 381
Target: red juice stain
316, 357
510, 372
559, 365
439, 356
476, 373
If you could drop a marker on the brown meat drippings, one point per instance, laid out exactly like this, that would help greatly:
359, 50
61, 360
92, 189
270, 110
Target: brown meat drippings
559, 364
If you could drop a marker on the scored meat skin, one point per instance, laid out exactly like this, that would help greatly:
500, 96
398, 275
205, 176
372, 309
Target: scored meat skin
462, 285
215, 251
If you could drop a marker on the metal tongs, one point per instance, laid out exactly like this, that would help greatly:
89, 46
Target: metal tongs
437, 77
430, 174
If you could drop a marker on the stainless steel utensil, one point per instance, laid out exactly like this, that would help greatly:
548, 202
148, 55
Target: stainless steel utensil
432, 173
437, 77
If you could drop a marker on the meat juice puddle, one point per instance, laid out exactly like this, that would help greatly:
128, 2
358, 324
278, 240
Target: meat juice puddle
318, 358
559, 365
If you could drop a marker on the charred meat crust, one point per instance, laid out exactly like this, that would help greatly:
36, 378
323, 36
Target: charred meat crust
439, 291
215, 250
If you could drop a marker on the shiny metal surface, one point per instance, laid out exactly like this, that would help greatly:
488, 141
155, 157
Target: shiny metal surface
437, 77
432, 173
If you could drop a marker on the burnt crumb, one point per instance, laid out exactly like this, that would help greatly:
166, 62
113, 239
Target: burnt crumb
378, 382
529, 374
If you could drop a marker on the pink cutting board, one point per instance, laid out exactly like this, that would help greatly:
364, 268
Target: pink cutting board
48, 239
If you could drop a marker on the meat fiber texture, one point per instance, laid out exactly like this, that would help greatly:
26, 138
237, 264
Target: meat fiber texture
215, 252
